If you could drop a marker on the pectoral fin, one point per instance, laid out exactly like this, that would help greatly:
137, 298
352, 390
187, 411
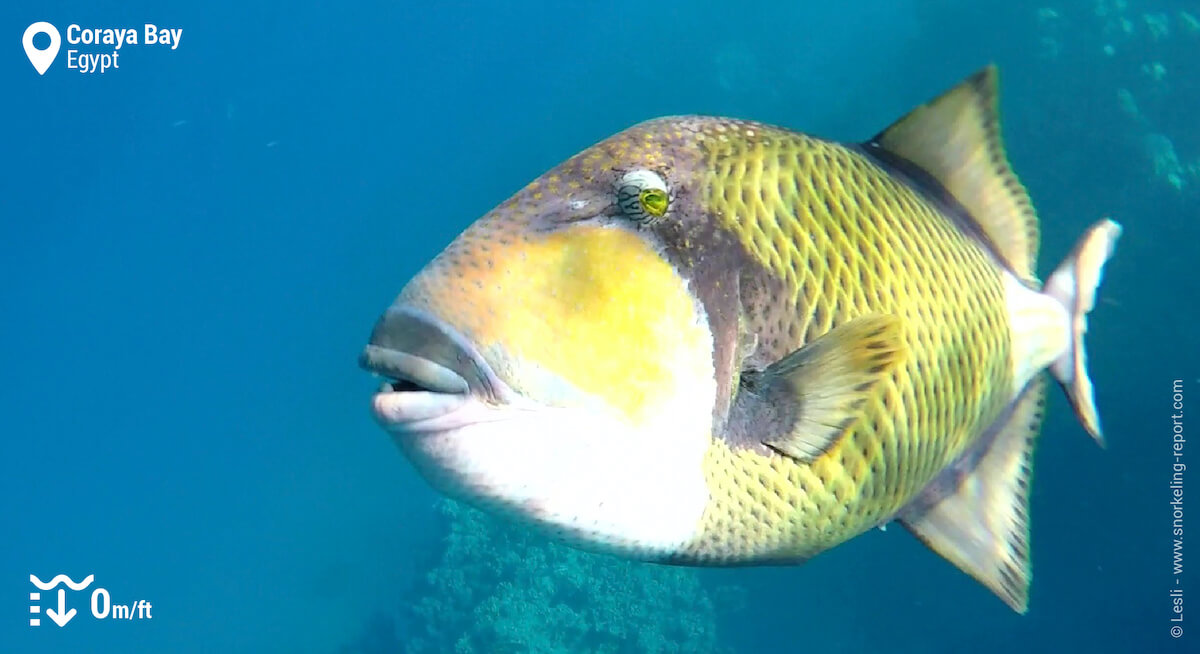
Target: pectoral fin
814, 393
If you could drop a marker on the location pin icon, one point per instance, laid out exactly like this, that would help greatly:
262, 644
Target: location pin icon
41, 59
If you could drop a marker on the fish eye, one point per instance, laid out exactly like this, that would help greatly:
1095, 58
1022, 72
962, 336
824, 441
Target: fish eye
643, 196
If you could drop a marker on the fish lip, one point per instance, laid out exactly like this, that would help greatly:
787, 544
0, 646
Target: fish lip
431, 368
405, 370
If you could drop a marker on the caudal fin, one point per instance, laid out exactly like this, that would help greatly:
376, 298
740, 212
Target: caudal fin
1074, 284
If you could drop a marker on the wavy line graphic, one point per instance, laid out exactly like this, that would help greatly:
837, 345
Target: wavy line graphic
62, 579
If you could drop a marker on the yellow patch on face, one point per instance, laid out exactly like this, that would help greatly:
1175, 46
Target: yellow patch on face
595, 306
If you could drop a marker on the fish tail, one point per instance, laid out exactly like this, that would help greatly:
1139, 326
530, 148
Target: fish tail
1073, 284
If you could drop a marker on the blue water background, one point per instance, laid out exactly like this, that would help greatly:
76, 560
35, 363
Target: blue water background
193, 249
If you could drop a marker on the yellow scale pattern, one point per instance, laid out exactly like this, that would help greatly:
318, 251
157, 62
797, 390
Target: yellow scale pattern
848, 239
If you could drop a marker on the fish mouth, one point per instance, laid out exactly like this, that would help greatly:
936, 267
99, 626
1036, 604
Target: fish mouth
429, 369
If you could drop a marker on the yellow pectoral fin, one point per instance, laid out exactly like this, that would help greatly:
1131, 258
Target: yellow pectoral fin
827, 381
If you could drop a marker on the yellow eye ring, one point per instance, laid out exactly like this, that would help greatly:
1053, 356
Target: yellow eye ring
654, 201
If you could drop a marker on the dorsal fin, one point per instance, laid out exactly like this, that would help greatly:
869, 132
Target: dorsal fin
956, 139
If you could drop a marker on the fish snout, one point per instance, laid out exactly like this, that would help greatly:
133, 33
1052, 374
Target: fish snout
429, 367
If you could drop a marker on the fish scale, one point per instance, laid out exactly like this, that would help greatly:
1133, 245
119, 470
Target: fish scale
848, 239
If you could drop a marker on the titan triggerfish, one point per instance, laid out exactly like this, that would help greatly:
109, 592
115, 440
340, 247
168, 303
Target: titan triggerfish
707, 341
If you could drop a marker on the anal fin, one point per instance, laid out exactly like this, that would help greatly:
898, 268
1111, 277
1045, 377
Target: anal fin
976, 513
817, 390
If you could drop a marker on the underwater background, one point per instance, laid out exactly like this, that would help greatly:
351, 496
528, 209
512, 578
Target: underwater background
194, 247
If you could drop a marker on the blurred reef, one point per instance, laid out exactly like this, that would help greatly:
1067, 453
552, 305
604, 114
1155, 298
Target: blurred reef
501, 588
1152, 49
